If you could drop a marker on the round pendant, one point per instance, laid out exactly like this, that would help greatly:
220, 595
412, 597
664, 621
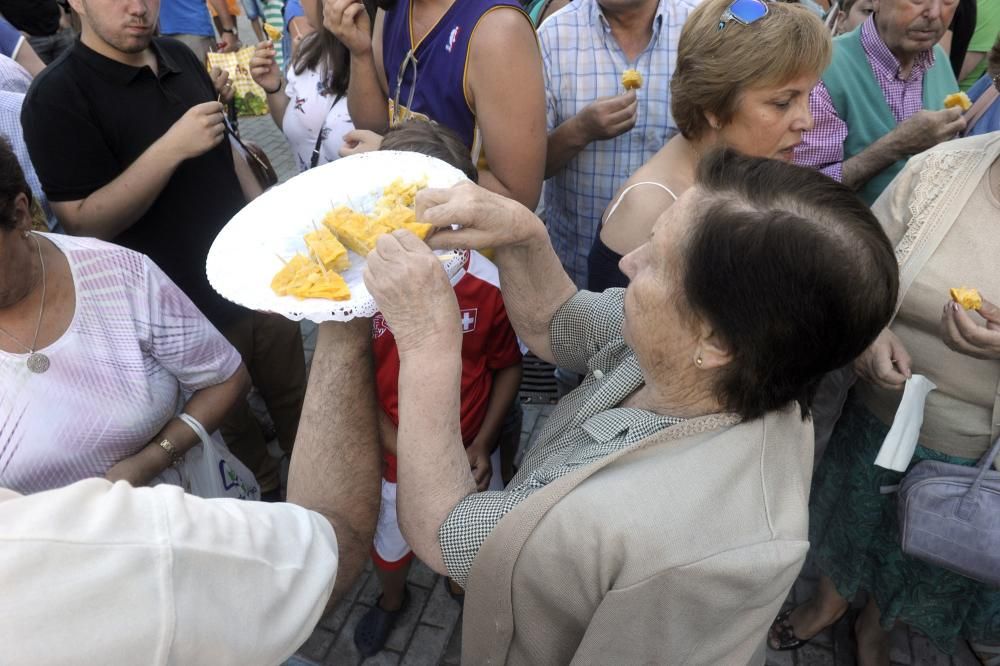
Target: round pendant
38, 363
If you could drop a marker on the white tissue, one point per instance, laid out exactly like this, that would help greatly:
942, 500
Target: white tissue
899, 444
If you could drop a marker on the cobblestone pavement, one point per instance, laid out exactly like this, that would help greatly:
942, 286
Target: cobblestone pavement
430, 632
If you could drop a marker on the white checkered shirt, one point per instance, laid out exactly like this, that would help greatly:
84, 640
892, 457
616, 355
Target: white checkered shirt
586, 426
582, 63
10, 128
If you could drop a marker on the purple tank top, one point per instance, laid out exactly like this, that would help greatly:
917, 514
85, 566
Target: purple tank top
441, 59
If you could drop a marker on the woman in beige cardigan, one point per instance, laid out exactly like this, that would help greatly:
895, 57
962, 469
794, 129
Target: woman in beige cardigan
943, 215
660, 518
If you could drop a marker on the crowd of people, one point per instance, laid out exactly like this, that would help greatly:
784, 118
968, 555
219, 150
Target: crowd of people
735, 267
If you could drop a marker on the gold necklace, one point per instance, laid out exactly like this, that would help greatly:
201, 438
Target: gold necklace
37, 362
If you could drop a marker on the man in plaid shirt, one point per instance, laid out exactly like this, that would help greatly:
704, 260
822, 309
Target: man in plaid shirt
598, 132
881, 99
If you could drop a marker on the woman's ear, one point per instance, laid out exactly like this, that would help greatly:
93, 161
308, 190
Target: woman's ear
22, 212
713, 121
713, 351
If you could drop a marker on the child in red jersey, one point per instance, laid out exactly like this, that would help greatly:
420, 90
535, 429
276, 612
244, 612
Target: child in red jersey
491, 375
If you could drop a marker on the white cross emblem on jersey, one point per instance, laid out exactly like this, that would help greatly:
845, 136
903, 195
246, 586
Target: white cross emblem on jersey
469, 320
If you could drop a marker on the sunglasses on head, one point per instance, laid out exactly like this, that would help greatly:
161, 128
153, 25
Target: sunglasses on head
743, 11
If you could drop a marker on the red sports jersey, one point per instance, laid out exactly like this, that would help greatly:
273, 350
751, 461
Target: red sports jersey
488, 344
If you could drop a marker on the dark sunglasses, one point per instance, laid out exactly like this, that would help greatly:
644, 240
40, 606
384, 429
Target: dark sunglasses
743, 11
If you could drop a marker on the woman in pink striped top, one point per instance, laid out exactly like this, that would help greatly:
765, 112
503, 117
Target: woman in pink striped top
99, 352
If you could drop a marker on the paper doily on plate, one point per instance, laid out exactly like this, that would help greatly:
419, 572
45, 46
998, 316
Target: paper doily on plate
249, 250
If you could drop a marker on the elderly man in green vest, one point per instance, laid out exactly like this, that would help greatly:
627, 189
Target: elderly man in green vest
882, 97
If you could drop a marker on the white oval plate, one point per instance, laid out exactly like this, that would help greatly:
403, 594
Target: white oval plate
245, 255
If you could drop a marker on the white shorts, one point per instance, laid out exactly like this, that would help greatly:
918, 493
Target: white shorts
390, 550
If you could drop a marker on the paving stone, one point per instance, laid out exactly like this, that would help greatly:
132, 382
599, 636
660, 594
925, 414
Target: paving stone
963, 655
370, 592
814, 655
421, 575
407, 622
383, 658
441, 611
924, 652
298, 661
317, 645
531, 413
453, 653
899, 646
359, 584
344, 651
427, 646
780, 658
335, 619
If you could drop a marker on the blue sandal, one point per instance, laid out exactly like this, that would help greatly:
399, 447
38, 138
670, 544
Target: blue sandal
375, 626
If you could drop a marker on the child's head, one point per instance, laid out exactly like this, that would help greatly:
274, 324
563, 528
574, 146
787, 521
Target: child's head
852, 14
429, 138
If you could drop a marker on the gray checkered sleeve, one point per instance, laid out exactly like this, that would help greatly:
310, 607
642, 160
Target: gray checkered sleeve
583, 325
465, 529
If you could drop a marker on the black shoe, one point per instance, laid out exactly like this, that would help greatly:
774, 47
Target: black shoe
375, 626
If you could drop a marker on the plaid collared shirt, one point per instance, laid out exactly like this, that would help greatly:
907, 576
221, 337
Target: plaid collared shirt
586, 426
583, 62
823, 146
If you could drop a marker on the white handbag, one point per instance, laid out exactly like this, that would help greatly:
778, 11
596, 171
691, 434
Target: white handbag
209, 469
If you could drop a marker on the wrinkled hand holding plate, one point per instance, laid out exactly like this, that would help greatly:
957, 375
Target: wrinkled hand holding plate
245, 254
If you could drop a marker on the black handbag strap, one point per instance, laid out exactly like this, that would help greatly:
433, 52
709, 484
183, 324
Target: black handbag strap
232, 129
314, 160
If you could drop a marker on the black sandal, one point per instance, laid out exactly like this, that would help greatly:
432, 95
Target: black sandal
375, 626
782, 630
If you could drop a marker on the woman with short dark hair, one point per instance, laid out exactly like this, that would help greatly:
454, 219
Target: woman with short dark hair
661, 515
97, 350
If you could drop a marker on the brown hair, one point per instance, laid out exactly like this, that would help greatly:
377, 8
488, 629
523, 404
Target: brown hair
12, 183
993, 61
715, 66
792, 270
429, 138
322, 51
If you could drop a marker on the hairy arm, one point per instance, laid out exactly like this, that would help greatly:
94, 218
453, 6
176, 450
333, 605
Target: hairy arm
858, 170
335, 466
509, 103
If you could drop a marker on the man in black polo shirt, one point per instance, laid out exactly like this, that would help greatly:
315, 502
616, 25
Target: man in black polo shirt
128, 140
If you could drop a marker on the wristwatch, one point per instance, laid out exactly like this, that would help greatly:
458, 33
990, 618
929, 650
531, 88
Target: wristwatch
171, 451
231, 31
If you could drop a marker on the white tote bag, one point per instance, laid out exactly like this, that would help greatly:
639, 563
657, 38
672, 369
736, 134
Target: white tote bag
209, 469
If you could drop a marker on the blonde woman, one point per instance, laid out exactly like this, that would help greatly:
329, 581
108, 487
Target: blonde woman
744, 86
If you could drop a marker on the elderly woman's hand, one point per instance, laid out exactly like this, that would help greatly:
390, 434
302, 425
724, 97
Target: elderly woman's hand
962, 334
413, 293
487, 220
885, 363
